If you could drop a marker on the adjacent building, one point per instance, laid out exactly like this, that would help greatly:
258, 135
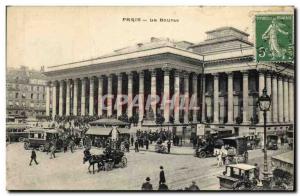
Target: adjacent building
25, 93
220, 72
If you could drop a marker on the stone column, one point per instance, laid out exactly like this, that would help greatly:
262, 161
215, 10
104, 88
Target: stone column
60, 106
291, 99
91, 102
245, 97
130, 94
83, 92
280, 99
230, 97
68, 95
100, 94
261, 86
186, 97
153, 91
195, 97
75, 97
141, 95
269, 92
203, 116
47, 99
274, 99
54, 99
109, 96
119, 95
216, 98
176, 96
166, 94
286, 99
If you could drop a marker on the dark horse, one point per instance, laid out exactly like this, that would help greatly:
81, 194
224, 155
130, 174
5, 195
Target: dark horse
93, 159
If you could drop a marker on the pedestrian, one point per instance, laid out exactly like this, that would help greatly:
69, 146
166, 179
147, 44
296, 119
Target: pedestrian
33, 157
194, 187
52, 153
127, 146
147, 186
147, 144
72, 146
169, 146
136, 146
132, 141
257, 172
223, 154
282, 141
162, 178
163, 187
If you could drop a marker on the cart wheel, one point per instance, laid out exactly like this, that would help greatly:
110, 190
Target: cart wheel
26, 145
41, 148
202, 154
124, 162
21, 139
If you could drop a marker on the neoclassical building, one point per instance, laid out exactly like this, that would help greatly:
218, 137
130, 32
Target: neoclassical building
220, 74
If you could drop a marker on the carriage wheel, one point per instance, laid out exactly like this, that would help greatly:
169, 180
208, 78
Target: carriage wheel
26, 145
124, 162
21, 139
41, 148
202, 154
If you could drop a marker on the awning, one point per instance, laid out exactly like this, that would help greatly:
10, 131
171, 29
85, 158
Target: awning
123, 130
94, 130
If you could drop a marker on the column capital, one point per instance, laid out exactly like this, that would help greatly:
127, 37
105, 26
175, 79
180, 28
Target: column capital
153, 71
185, 74
280, 77
286, 79
141, 73
166, 69
215, 74
61, 82
291, 79
229, 73
101, 77
110, 76
195, 76
120, 75
245, 72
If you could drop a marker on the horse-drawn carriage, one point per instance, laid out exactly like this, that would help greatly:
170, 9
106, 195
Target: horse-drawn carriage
238, 177
43, 138
107, 161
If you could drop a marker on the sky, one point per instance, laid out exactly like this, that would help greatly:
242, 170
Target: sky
47, 36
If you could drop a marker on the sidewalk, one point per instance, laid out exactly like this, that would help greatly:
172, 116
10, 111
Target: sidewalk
175, 150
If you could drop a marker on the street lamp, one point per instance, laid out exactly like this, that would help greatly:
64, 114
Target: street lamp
264, 102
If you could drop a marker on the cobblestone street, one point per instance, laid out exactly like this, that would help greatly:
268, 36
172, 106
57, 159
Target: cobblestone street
68, 172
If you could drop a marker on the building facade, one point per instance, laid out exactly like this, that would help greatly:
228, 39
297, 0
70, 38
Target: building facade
25, 93
219, 76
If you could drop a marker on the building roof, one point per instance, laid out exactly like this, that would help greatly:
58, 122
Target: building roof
287, 157
108, 122
242, 166
23, 74
227, 28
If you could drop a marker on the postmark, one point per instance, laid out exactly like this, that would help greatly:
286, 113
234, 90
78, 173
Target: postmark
274, 38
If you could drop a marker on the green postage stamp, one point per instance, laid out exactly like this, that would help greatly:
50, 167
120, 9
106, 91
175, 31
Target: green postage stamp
274, 38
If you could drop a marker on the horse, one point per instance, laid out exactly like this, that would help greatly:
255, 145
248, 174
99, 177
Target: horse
93, 159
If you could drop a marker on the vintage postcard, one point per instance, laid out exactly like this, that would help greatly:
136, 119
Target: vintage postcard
150, 98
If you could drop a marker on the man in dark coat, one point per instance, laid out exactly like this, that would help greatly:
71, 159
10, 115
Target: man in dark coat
147, 144
132, 141
33, 158
169, 146
162, 178
163, 187
136, 146
193, 187
147, 186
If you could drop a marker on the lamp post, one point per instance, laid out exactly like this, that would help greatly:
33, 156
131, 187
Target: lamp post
264, 102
